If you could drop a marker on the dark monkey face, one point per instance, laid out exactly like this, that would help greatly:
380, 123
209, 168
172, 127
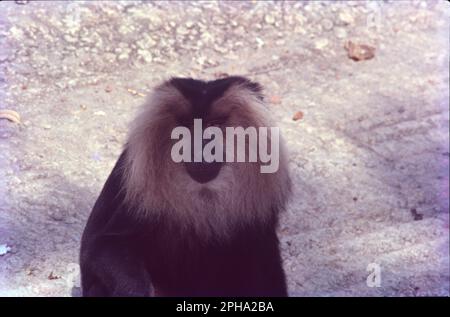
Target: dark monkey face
201, 98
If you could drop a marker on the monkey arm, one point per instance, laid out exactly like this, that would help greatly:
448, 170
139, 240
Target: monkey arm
111, 268
109, 258
264, 275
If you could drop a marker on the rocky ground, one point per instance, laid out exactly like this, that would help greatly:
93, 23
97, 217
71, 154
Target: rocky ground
369, 148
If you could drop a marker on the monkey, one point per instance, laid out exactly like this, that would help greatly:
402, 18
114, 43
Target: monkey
165, 228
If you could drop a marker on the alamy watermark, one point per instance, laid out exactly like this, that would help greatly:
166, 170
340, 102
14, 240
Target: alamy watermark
210, 145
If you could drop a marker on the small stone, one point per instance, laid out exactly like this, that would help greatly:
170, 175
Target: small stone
69, 38
220, 21
60, 85
321, 43
4, 249
359, 52
151, 42
71, 83
346, 18
300, 18
327, 24
123, 56
189, 24
269, 19
146, 55
212, 62
110, 57
155, 19
340, 33
182, 30
259, 42
220, 49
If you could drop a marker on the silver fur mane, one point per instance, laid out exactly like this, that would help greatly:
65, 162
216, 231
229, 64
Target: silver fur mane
240, 194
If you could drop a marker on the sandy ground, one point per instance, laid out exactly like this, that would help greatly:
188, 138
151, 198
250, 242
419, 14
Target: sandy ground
369, 157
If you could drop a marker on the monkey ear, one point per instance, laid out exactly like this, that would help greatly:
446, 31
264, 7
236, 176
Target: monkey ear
253, 86
187, 86
246, 83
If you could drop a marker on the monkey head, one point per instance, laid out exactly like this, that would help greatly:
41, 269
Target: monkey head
207, 187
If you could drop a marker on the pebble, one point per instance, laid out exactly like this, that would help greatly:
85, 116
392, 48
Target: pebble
69, 38
259, 42
219, 21
4, 249
340, 33
182, 30
123, 56
321, 43
220, 49
327, 24
346, 18
269, 19
146, 55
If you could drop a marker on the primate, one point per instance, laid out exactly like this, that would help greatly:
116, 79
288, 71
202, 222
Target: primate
161, 228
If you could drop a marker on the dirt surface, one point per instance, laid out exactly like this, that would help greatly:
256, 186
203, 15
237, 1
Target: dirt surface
369, 150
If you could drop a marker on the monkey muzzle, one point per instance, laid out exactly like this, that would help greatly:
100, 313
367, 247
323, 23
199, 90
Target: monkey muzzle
203, 172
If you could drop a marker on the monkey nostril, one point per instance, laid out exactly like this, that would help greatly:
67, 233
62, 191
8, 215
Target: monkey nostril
203, 172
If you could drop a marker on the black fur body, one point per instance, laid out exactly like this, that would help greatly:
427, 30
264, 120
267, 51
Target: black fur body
126, 255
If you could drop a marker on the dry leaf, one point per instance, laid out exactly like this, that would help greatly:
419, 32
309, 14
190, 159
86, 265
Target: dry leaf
135, 92
11, 115
53, 276
132, 91
359, 52
31, 271
417, 216
275, 99
297, 116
